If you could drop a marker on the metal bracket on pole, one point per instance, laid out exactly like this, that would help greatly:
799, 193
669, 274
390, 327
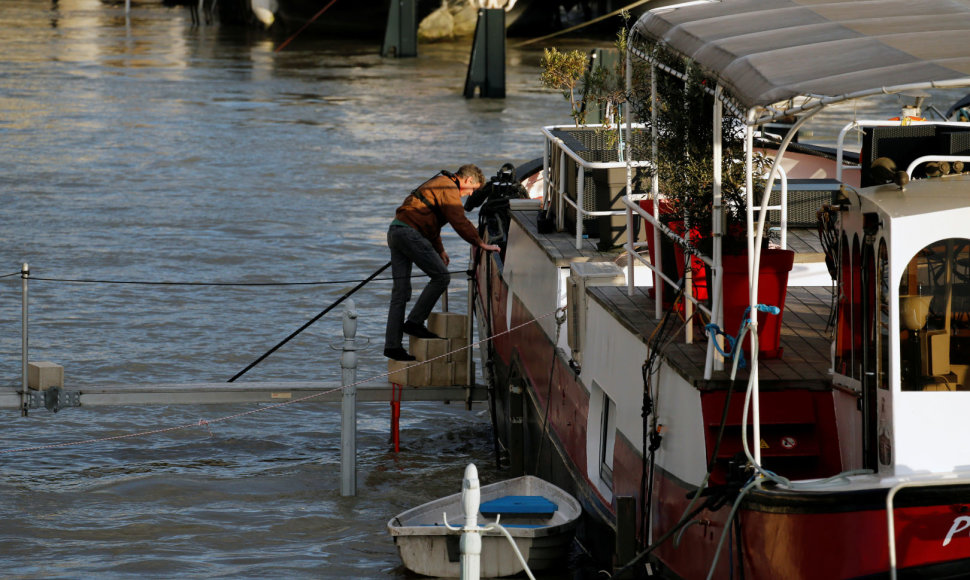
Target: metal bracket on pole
53, 399
401, 34
486, 69
348, 419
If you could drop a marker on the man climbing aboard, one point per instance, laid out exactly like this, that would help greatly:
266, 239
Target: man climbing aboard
414, 237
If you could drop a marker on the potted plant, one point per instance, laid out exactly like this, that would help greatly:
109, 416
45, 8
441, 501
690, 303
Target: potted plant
686, 184
593, 83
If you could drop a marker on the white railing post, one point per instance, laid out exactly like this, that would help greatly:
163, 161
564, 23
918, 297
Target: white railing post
560, 189
348, 419
471, 539
580, 204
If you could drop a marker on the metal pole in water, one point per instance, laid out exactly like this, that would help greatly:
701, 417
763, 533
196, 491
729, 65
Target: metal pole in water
348, 419
24, 275
471, 539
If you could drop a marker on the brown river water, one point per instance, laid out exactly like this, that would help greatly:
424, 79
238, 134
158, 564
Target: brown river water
148, 150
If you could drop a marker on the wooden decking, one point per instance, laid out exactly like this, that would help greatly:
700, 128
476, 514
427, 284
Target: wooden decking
805, 360
561, 246
804, 335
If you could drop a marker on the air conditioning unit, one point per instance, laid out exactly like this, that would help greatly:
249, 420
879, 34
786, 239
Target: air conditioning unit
583, 275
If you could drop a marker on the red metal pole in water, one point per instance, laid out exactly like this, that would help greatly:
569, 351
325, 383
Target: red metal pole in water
396, 391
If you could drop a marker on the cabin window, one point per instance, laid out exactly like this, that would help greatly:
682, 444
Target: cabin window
848, 360
934, 318
856, 297
607, 440
882, 331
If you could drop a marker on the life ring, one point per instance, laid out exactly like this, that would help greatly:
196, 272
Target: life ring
907, 119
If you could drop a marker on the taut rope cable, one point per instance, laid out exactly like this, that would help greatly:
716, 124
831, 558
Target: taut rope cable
304, 27
208, 422
311, 321
581, 25
171, 283
9, 275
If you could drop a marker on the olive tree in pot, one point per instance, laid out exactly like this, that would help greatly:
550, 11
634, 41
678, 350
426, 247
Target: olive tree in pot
593, 83
685, 168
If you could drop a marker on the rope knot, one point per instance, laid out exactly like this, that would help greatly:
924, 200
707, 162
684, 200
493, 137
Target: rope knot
561, 315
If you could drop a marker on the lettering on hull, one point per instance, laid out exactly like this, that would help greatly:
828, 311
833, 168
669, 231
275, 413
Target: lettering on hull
960, 524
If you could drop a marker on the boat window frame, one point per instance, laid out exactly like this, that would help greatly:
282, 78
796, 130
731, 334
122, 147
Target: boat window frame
929, 359
607, 443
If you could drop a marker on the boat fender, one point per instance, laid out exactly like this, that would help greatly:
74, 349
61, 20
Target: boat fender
904, 121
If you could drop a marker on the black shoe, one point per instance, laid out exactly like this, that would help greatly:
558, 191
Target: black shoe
418, 330
398, 353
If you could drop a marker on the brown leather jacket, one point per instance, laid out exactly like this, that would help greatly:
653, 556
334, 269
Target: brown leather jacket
440, 191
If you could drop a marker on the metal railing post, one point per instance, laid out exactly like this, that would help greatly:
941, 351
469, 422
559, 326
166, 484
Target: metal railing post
24, 276
348, 419
580, 204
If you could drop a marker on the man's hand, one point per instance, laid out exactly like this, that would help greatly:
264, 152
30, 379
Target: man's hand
490, 248
444, 257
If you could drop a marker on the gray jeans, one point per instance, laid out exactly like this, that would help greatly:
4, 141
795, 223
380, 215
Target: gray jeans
410, 247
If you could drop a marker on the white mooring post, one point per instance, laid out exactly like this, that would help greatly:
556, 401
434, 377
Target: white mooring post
24, 275
348, 419
471, 539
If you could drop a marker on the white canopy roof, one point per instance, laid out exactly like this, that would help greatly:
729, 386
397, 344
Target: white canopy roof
768, 51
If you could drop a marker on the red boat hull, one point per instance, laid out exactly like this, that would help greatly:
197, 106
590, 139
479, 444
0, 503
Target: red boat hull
783, 533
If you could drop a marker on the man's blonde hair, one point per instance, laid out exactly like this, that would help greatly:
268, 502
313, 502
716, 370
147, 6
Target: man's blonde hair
472, 171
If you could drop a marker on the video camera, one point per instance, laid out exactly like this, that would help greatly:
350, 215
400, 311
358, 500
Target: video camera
500, 188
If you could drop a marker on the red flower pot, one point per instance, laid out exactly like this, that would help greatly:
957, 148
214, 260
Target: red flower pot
772, 289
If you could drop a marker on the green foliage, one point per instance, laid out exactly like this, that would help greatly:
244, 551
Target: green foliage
587, 84
685, 124
563, 71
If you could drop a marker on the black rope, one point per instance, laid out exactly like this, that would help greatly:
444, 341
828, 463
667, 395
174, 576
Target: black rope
9, 275
489, 345
311, 321
666, 536
168, 283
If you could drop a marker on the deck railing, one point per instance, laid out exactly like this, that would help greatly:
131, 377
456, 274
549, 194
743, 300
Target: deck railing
578, 157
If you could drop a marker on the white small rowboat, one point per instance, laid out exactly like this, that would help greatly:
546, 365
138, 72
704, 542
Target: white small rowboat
538, 515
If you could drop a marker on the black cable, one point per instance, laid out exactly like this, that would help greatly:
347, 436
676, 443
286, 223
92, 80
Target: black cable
311, 321
740, 548
9, 275
646, 410
666, 536
164, 283
489, 346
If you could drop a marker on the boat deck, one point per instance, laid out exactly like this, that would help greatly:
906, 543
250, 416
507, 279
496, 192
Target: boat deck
804, 335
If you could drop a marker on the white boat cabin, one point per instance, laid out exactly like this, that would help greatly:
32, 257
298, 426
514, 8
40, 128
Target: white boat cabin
903, 334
